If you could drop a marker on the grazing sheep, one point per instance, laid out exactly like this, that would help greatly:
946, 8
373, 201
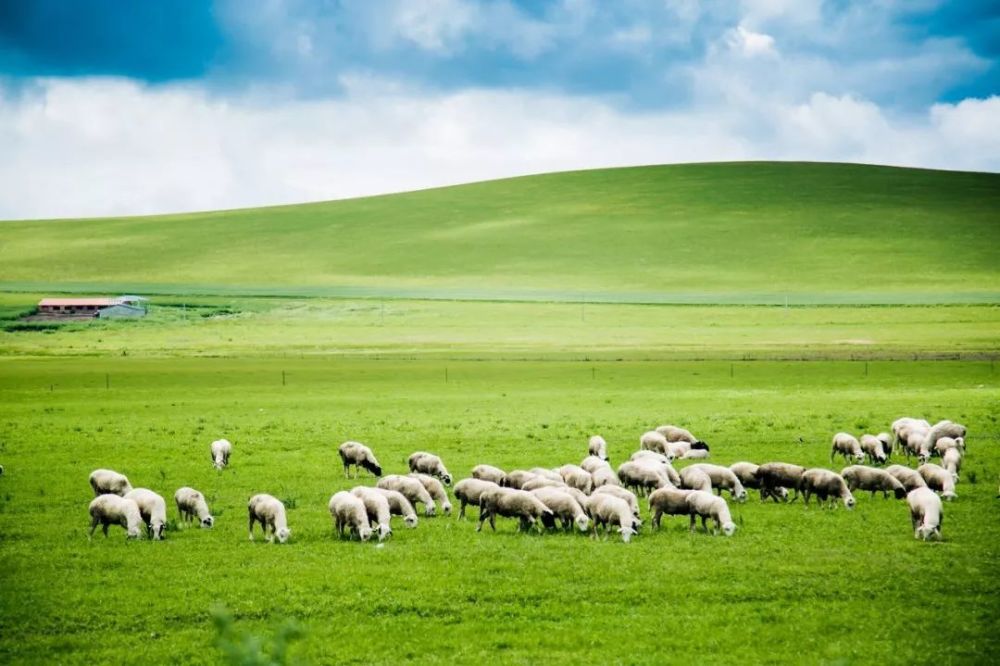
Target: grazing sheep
105, 481
653, 441
825, 485
746, 472
848, 446
578, 495
939, 479
377, 508
191, 503
874, 450
641, 477
399, 506
512, 503
517, 478
941, 429
349, 511
886, 440
723, 478
564, 506
547, 473
111, 509
412, 489
909, 434
706, 505
696, 454
669, 501
675, 434
622, 494
221, 449
152, 509
945, 443
542, 482
359, 455
926, 514
665, 458
270, 513
605, 477
598, 447
577, 477
693, 478
489, 473
593, 463
436, 490
772, 476
859, 477
469, 491
952, 461
910, 478
608, 510
428, 463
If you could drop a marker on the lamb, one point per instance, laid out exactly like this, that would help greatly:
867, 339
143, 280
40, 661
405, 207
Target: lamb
598, 447
642, 477
706, 505
377, 508
608, 510
564, 506
191, 503
952, 461
746, 472
349, 511
926, 514
412, 489
859, 477
111, 509
874, 449
722, 478
270, 513
577, 477
359, 455
399, 506
517, 478
693, 478
825, 485
547, 473
105, 481
848, 446
513, 503
220, 450
780, 475
669, 501
593, 463
152, 510
436, 490
939, 479
605, 477
469, 491
653, 441
428, 463
620, 493
941, 429
489, 473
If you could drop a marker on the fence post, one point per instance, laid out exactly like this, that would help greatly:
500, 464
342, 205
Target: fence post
282, 377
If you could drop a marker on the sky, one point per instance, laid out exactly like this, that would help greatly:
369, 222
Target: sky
123, 107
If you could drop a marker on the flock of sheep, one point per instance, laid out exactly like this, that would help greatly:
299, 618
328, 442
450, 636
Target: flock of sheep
589, 496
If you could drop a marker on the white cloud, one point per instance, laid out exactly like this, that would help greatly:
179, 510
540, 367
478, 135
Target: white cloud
750, 44
76, 147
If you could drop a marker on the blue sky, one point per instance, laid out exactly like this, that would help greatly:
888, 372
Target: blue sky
461, 86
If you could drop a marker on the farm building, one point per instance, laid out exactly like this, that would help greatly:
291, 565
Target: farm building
103, 307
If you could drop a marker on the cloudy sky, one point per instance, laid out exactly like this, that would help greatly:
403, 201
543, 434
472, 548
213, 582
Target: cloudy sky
112, 107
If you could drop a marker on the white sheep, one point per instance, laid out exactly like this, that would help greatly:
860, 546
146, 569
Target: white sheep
105, 481
776, 475
910, 478
349, 511
359, 455
428, 463
669, 501
945, 443
517, 478
723, 478
598, 447
665, 458
642, 475
939, 479
693, 478
826, 485
411, 488
706, 505
512, 503
605, 476
547, 473
489, 473
886, 440
674, 434
110, 509
191, 503
746, 472
952, 461
653, 441
377, 508
220, 450
608, 511
859, 477
622, 494
846, 445
874, 449
270, 513
577, 477
152, 510
542, 482
926, 514
696, 454
436, 490
593, 463
469, 491
941, 429
566, 508
909, 434
400, 506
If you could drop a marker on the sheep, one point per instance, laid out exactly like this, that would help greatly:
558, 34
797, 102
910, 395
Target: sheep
577, 477
598, 447
411, 488
696, 454
669, 501
428, 463
605, 477
110, 509
608, 510
848, 446
564, 506
620, 493
746, 472
191, 503
665, 458
926, 514
722, 478
270, 513
909, 434
642, 477
859, 477
910, 478
886, 440
578, 495
825, 485
593, 463
941, 429
945, 443
105, 481
513, 503
706, 505
653, 441
220, 450
517, 478
377, 508
542, 482
359, 455
693, 478
939, 479
489, 473
348, 510
152, 509
436, 490
547, 473
469, 491
952, 461
874, 449
399, 506
675, 434
780, 475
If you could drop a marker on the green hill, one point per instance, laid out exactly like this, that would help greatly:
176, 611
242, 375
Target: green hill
741, 232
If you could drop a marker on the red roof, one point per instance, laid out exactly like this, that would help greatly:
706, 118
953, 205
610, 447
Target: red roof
100, 302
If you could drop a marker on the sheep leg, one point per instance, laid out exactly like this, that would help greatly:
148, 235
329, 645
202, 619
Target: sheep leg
657, 515
704, 524
250, 528
694, 521
461, 511
93, 526
105, 526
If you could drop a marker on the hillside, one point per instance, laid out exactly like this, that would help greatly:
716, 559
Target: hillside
742, 232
